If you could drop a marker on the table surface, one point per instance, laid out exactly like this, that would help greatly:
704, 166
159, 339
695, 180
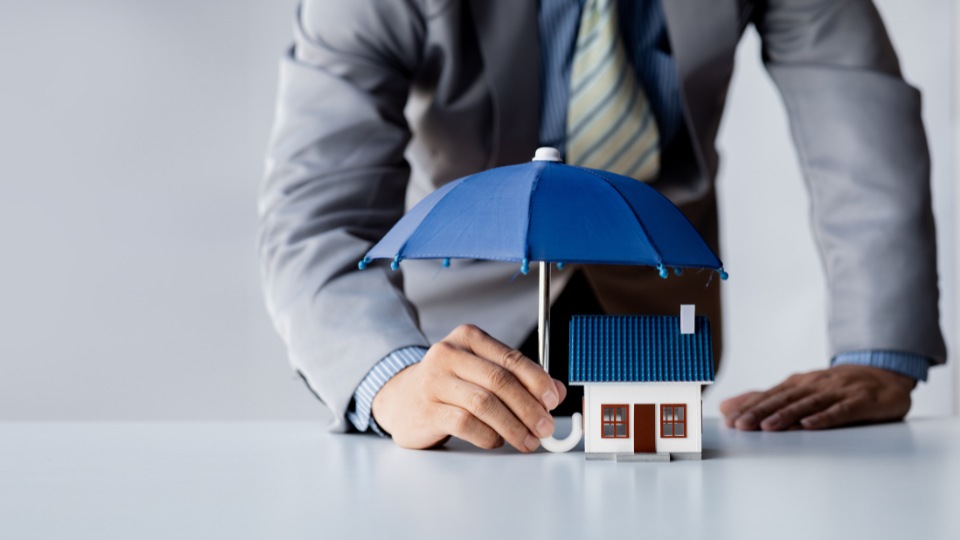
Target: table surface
294, 480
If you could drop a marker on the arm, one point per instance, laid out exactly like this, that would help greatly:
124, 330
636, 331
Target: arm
334, 184
857, 129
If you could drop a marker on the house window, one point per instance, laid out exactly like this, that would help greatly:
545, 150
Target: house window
673, 421
614, 422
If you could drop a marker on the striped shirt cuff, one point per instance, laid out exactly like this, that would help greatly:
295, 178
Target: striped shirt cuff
385, 369
914, 366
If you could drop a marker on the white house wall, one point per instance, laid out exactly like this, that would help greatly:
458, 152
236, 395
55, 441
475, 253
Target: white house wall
597, 394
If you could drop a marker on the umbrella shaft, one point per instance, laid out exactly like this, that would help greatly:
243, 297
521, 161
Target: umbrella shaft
543, 321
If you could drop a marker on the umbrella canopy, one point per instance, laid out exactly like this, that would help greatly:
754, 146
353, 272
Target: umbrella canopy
547, 211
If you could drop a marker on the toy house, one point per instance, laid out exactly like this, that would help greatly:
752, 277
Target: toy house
641, 378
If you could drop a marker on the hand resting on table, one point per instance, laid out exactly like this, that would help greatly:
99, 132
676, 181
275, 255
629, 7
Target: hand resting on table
838, 396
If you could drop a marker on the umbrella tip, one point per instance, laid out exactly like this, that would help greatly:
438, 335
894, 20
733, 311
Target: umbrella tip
363, 263
395, 265
446, 263
723, 274
547, 153
525, 267
663, 271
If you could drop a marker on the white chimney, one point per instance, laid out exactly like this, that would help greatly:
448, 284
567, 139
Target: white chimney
688, 313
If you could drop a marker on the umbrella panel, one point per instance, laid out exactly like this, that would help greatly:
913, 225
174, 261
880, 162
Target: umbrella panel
573, 220
481, 218
672, 234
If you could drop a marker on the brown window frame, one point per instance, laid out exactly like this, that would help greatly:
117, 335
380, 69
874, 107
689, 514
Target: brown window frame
615, 422
673, 422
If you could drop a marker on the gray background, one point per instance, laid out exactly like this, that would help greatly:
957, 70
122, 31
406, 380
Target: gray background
132, 136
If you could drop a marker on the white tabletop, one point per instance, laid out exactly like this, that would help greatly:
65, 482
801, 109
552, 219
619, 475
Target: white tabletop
293, 480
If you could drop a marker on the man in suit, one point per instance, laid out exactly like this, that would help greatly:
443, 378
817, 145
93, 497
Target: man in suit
382, 102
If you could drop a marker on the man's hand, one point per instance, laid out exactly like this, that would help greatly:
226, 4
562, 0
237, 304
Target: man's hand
826, 398
470, 386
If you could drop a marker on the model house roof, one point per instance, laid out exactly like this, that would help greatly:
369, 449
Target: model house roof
633, 348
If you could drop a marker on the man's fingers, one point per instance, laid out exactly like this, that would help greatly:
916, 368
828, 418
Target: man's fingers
791, 414
770, 402
463, 425
487, 407
737, 410
734, 407
840, 413
531, 375
734, 404
503, 384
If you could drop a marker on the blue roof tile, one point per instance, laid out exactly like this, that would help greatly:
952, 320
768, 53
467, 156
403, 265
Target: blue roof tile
635, 348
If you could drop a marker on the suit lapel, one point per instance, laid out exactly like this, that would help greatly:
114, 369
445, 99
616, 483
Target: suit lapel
703, 36
510, 46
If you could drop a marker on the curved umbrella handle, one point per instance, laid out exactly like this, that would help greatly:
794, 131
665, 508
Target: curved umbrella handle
565, 445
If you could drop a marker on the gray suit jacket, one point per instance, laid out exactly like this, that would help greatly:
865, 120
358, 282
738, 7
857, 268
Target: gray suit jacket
381, 102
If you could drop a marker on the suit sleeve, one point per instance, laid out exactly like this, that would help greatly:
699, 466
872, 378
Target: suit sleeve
335, 183
857, 128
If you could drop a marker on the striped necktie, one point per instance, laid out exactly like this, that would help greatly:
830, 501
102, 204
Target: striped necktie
609, 122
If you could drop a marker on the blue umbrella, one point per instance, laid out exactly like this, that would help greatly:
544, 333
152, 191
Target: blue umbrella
552, 213
549, 212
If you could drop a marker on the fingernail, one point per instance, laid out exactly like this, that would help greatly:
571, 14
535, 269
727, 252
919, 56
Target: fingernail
531, 443
748, 420
560, 388
773, 422
808, 422
550, 400
545, 428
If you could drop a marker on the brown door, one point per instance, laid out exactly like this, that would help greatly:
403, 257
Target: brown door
644, 428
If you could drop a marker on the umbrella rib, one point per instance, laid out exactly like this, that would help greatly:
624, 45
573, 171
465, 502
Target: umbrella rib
643, 227
526, 233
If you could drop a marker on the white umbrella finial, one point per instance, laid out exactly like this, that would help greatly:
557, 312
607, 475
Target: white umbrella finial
547, 153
